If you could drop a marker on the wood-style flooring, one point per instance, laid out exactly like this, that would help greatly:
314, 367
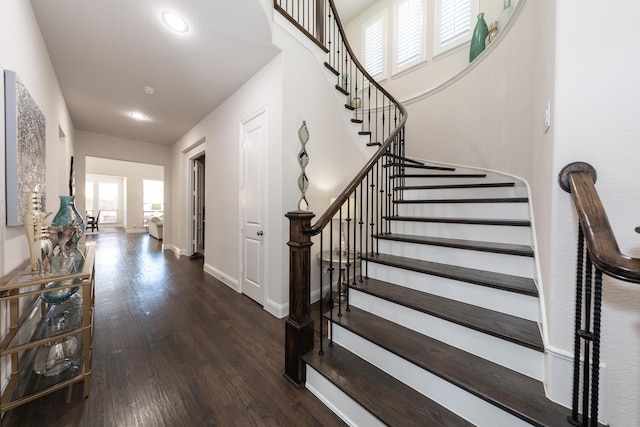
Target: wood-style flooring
173, 346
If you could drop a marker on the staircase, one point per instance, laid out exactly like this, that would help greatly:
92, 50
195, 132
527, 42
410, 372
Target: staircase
442, 329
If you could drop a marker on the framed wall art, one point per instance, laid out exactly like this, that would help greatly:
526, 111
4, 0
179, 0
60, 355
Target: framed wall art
25, 147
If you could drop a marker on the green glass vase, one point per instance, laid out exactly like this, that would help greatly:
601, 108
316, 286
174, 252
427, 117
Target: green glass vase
480, 33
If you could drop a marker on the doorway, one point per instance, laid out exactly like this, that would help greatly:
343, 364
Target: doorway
198, 206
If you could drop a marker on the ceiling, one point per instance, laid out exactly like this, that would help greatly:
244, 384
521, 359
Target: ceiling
105, 52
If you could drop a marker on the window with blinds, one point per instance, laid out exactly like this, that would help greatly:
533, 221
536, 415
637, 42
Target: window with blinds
453, 22
409, 33
373, 46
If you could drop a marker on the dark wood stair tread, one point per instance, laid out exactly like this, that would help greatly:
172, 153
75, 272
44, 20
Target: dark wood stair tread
511, 391
391, 401
500, 248
455, 186
513, 329
472, 221
330, 68
406, 160
506, 282
479, 200
342, 90
440, 175
374, 144
356, 121
410, 165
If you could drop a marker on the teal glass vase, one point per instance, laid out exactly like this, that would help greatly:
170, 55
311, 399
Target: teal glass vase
68, 214
505, 15
480, 33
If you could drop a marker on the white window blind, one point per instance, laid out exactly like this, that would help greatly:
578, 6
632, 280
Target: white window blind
374, 47
455, 20
408, 31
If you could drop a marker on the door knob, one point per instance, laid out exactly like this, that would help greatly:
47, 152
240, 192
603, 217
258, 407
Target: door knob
260, 233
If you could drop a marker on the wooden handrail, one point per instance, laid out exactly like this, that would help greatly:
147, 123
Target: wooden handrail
579, 179
333, 209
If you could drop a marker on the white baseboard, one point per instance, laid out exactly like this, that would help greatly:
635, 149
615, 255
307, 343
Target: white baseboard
168, 247
559, 380
277, 310
224, 278
135, 230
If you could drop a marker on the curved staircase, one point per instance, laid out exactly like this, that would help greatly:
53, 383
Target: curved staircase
442, 327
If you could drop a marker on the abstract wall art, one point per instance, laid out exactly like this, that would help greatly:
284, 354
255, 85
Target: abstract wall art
25, 147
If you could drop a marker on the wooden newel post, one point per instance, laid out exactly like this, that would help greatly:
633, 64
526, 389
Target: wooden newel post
299, 325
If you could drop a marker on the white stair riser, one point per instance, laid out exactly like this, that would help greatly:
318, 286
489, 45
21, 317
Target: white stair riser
409, 181
512, 303
518, 235
339, 402
513, 356
461, 402
458, 193
500, 263
465, 210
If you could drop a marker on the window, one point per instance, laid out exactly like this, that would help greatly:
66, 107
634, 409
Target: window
108, 202
373, 46
88, 197
453, 23
409, 33
153, 199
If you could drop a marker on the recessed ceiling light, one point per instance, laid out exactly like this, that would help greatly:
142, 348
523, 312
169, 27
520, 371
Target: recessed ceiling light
138, 116
175, 22
148, 90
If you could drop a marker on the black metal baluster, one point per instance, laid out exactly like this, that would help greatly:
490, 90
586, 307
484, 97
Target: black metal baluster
584, 334
595, 362
330, 269
321, 352
577, 321
361, 222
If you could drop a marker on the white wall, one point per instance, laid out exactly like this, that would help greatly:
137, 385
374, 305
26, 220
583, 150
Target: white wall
118, 154
596, 115
294, 82
22, 50
437, 67
135, 173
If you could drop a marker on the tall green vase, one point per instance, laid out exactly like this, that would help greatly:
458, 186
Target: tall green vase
480, 33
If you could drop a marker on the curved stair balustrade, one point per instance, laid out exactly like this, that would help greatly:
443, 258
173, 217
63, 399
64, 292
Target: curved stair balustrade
360, 210
579, 179
597, 247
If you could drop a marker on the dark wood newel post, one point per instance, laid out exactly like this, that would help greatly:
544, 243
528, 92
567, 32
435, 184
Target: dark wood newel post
299, 325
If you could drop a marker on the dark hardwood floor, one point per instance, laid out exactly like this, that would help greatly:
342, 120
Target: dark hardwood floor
175, 347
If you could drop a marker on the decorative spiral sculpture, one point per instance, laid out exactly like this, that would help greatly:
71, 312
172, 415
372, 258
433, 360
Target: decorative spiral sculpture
303, 160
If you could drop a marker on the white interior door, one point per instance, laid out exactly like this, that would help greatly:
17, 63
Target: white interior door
252, 199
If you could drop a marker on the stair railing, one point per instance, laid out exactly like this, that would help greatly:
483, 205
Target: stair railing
598, 253
361, 210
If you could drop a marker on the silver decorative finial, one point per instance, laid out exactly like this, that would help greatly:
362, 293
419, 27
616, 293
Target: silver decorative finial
303, 160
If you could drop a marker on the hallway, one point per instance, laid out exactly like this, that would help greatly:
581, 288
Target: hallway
175, 347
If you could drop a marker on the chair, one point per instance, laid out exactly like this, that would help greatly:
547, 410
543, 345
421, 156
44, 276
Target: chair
92, 221
155, 227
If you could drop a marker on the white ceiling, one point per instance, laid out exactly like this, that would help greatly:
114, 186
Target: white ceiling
105, 51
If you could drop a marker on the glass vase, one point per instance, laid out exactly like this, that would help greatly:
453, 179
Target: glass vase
480, 33
68, 215
505, 15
